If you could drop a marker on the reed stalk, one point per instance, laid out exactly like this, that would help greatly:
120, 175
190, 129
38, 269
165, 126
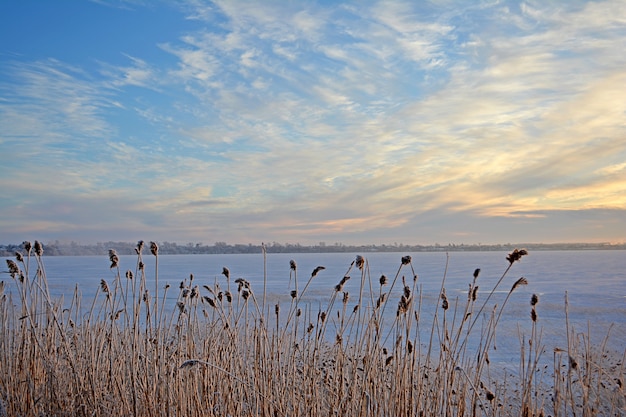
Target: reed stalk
127, 352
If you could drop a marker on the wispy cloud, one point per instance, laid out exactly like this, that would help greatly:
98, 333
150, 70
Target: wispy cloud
138, 74
50, 96
398, 121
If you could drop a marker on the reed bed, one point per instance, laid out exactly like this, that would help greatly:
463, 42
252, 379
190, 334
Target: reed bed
224, 349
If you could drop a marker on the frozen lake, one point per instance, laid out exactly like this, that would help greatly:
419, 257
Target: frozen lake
594, 280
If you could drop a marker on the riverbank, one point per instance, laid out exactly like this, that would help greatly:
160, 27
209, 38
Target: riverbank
57, 248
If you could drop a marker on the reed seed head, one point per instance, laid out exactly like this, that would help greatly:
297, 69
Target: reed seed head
294, 294
381, 299
383, 280
226, 272
113, 258
189, 363
406, 260
14, 270
242, 284
521, 281
19, 257
360, 262
316, 270
116, 315
444, 300
292, 265
476, 272
339, 286
139, 247
27, 246
403, 305
534, 300
154, 248
38, 248
209, 301
129, 274
516, 255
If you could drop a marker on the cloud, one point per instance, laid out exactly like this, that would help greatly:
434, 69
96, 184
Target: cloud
50, 98
418, 38
139, 74
195, 64
470, 143
390, 120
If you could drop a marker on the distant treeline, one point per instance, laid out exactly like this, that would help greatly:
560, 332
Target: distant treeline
57, 248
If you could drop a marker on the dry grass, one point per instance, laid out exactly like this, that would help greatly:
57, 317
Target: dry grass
221, 351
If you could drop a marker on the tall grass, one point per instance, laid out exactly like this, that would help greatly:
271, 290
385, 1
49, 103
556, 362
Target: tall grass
221, 351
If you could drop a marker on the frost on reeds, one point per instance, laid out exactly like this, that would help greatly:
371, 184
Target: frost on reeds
113, 258
207, 351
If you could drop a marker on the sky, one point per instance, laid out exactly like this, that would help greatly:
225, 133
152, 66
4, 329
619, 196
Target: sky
364, 122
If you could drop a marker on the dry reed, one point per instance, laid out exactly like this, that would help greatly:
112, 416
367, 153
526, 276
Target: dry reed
217, 353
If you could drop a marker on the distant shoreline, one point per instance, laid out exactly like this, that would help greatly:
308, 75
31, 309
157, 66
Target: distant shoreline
57, 248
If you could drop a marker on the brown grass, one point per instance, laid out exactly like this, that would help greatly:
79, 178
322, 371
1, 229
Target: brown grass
224, 352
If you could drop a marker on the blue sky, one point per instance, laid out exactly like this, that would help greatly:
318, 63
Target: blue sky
309, 121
